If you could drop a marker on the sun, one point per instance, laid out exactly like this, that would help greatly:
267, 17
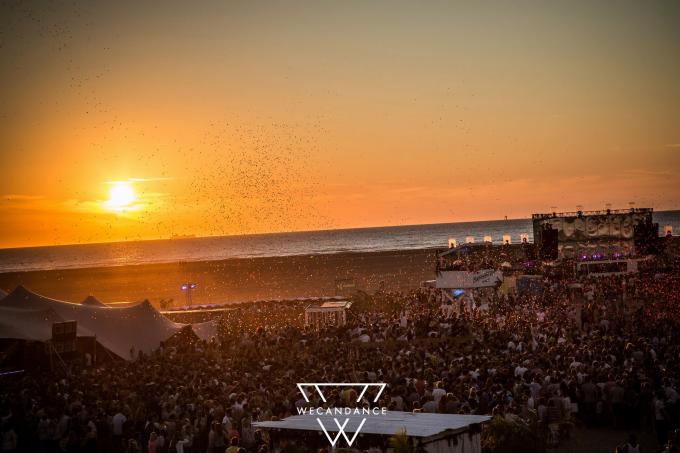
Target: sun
121, 196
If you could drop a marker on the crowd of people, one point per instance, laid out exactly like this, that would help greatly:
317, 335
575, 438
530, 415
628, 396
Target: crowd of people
477, 257
606, 355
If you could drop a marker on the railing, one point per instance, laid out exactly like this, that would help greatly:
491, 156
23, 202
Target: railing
599, 212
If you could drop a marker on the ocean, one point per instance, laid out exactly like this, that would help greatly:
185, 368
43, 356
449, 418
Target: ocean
275, 244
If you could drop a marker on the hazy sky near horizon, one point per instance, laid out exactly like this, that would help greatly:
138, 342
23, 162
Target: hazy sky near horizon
229, 117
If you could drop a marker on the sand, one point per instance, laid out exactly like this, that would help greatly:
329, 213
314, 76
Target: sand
233, 280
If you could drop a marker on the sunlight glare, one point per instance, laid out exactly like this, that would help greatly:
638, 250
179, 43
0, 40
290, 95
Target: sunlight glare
121, 196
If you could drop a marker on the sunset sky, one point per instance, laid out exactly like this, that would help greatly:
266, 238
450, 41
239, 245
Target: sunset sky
141, 120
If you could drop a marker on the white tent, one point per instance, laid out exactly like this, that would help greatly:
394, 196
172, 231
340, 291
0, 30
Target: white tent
26, 315
30, 324
205, 330
93, 301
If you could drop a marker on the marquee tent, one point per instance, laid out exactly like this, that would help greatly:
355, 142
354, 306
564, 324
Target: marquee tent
205, 330
29, 316
93, 301
30, 324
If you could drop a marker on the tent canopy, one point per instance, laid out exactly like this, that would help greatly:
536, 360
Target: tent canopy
29, 316
92, 301
415, 424
205, 330
31, 324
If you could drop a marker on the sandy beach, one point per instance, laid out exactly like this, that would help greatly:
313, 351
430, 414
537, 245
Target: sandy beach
232, 280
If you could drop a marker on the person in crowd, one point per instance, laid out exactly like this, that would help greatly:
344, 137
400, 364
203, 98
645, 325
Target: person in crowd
216, 439
152, 446
234, 445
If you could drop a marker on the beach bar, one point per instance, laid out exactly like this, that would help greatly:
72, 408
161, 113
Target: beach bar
327, 314
433, 433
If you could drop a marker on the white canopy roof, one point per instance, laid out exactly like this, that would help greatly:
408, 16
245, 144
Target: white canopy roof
93, 301
336, 305
33, 324
205, 330
29, 316
415, 424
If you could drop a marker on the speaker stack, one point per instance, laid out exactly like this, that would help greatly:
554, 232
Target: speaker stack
548, 248
646, 238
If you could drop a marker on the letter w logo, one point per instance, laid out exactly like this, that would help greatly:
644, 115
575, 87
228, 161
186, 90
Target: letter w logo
318, 386
341, 431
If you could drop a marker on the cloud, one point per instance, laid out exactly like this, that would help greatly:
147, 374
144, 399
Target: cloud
21, 197
151, 179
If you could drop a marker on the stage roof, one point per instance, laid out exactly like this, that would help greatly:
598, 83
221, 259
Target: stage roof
416, 425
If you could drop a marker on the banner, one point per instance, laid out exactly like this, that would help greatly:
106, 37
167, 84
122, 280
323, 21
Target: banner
465, 279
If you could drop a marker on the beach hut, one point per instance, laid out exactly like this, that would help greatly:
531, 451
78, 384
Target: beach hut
326, 314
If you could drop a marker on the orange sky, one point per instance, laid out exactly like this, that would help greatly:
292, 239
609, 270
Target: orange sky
231, 117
